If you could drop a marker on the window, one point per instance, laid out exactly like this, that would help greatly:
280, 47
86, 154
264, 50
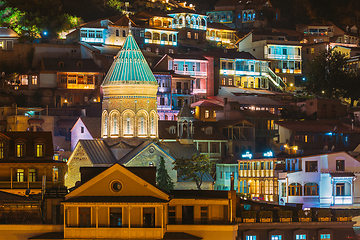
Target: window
172, 215
276, 237
340, 189
175, 67
196, 36
186, 67
124, 33
300, 236
214, 114
20, 150
91, 33
115, 217
20, 175
230, 81
83, 33
84, 217
283, 189
325, 236
311, 189
34, 80
2, 150
149, 217
310, 166
39, 150
223, 65
189, 35
312, 50
82, 129
207, 113
117, 32
204, 214
295, 189
340, 165
171, 50
98, 34
32, 175
252, 237
284, 51
55, 174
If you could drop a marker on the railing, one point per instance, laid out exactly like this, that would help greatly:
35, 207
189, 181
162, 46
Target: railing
24, 185
283, 57
276, 80
191, 73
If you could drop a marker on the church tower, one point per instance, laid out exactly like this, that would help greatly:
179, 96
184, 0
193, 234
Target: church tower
129, 96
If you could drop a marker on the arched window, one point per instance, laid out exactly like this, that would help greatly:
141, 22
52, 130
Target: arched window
164, 37
105, 124
295, 189
170, 37
311, 189
128, 126
156, 36
152, 124
148, 35
181, 20
203, 22
115, 122
141, 126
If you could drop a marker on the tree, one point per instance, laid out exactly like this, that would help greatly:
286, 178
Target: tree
163, 179
326, 74
194, 168
351, 86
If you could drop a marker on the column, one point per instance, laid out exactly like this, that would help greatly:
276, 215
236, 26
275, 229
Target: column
11, 177
97, 219
334, 191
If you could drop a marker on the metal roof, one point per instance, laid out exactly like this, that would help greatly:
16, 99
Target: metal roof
129, 66
178, 150
98, 151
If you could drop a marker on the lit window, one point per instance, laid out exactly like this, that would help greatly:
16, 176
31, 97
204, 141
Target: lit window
19, 150
34, 80
252, 237
223, 81
340, 165
312, 51
32, 175
230, 81
20, 175
196, 35
325, 236
295, 189
300, 236
207, 113
189, 35
39, 150
311, 189
214, 114
55, 174
276, 237
128, 125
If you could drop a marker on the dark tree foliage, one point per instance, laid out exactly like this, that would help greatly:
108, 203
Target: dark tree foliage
163, 179
327, 74
193, 169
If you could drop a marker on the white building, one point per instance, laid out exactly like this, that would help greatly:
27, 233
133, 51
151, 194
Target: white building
326, 180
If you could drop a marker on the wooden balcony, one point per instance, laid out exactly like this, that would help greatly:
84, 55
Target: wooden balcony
112, 233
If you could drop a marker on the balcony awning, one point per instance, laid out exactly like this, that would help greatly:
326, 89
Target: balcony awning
342, 174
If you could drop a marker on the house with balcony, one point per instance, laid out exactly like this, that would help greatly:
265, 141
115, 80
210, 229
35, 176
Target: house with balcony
324, 180
284, 56
244, 15
221, 35
191, 26
27, 163
76, 81
124, 202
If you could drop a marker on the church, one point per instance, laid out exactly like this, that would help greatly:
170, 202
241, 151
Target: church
129, 124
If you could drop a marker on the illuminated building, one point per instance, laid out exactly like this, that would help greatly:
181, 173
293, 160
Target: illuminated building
191, 26
7, 39
284, 56
258, 179
244, 15
221, 35
129, 102
26, 158
325, 180
77, 81
320, 135
119, 202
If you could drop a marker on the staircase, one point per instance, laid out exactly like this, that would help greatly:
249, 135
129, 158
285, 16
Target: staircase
275, 80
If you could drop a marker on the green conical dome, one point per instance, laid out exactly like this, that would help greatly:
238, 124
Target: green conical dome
129, 66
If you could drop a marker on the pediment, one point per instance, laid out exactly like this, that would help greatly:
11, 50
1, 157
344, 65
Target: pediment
117, 181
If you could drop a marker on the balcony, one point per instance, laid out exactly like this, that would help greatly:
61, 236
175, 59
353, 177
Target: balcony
191, 73
24, 185
283, 57
181, 91
343, 200
114, 233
